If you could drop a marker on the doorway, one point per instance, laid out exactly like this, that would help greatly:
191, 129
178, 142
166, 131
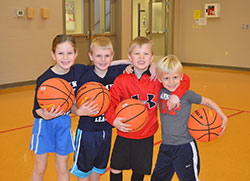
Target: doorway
153, 19
87, 19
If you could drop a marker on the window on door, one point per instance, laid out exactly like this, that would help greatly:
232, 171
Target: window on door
78, 16
74, 16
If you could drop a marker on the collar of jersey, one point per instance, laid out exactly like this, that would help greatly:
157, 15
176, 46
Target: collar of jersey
145, 72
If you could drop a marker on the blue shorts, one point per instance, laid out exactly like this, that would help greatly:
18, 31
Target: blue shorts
182, 159
92, 152
52, 136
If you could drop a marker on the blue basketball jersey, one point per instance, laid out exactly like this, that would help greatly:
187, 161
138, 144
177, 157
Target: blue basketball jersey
55, 135
98, 123
73, 77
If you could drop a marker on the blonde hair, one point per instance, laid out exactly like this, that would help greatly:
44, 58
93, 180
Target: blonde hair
102, 42
169, 64
139, 41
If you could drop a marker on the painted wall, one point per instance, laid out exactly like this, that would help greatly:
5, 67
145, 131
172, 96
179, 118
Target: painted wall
221, 42
125, 27
25, 43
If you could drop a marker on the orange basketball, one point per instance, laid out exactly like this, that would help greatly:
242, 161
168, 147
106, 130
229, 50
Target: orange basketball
94, 91
204, 124
56, 91
134, 111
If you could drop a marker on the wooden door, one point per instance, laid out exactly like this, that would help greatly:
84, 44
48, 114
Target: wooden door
87, 19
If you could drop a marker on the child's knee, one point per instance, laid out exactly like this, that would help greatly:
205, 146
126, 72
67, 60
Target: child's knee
61, 164
61, 169
115, 171
39, 169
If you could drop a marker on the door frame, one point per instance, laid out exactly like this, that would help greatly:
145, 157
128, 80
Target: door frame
168, 23
83, 40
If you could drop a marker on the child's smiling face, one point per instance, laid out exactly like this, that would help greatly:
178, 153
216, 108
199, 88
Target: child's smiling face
64, 55
141, 56
171, 81
101, 57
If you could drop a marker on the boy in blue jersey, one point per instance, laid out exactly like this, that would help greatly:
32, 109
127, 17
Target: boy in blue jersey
93, 135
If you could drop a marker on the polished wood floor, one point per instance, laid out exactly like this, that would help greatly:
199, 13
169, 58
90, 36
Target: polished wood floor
225, 159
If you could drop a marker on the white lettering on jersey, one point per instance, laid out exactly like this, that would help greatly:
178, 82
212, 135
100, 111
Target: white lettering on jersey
74, 84
100, 119
108, 86
164, 96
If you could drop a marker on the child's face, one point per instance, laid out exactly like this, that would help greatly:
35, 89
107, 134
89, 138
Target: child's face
141, 57
101, 57
64, 56
171, 81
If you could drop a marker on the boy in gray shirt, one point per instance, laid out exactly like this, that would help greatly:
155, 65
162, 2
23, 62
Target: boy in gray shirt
178, 151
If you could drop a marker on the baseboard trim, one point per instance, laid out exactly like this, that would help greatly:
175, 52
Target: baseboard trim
17, 84
32, 82
216, 66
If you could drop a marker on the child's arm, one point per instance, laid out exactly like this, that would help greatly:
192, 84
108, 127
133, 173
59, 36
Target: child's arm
116, 121
129, 69
47, 115
119, 62
115, 93
175, 97
120, 125
110, 113
212, 105
152, 70
85, 109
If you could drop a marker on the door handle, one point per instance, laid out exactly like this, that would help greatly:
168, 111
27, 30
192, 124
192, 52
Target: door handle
147, 32
93, 35
88, 34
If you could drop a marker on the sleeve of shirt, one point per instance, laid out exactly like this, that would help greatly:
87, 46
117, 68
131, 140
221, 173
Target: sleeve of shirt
81, 69
184, 86
194, 97
36, 105
115, 94
118, 69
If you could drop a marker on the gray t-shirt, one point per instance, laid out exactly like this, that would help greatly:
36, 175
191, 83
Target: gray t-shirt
174, 123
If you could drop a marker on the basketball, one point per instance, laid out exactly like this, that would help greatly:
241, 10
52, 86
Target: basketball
204, 124
55, 92
94, 91
134, 111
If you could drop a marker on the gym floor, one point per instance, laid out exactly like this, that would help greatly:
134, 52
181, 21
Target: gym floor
225, 159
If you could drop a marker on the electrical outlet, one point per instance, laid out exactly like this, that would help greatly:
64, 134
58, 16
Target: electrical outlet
20, 12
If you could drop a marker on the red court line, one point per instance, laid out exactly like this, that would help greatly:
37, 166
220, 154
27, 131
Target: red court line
15, 129
235, 114
107, 169
158, 142
232, 109
72, 116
